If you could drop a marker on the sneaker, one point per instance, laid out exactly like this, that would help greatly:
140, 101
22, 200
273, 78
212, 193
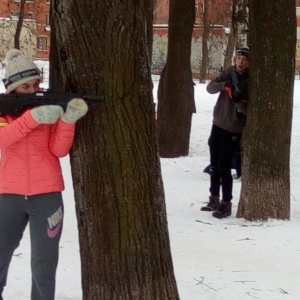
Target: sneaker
223, 211
213, 204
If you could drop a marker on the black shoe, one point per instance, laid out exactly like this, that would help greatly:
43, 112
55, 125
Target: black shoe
208, 170
223, 211
213, 204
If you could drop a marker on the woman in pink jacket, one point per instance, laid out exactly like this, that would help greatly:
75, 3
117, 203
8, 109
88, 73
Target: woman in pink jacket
31, 179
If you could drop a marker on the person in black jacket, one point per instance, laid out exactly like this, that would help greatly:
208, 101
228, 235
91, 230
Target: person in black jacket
229, 119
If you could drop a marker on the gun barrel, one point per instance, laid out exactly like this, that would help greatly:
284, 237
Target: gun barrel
15, 104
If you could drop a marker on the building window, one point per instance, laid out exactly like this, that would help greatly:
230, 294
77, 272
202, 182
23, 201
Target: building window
27, 1
47, 20
29, 15
48, 1
42, 43
15, 15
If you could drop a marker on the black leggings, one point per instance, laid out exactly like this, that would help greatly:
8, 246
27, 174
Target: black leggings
222, 145
44, 213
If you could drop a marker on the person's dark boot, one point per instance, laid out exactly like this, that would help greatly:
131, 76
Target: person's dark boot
223, 211
1, 290
213, 204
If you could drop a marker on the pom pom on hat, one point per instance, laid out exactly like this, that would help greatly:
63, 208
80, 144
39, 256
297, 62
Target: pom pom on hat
19, 70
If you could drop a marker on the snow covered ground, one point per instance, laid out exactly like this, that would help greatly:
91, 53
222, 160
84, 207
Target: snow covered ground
213, 259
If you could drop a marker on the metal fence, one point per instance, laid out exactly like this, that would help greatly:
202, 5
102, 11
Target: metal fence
45, 74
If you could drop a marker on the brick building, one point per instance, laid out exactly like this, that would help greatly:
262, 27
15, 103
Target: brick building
35, 34
219, 18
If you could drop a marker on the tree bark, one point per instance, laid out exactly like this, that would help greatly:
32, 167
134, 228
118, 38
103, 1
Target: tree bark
19, 25
265, 189
230, 43
240, 22
124, 244
205, 37
229, 50
176, 91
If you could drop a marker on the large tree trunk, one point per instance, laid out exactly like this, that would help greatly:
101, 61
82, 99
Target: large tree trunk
123, 234
266, 176
176, 91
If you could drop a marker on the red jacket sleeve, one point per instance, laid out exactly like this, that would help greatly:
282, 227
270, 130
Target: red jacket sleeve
61, 138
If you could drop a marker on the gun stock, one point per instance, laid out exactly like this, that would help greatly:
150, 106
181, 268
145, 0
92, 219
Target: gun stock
15, 104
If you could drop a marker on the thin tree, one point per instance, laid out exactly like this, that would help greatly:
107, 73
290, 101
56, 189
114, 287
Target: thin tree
176, 91
265, 189
213, 14
205, 37
229, 49
103, 49
19, 25
231, 39
240, 22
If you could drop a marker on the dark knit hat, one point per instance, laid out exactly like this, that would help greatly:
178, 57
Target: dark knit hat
242, 51
19, 69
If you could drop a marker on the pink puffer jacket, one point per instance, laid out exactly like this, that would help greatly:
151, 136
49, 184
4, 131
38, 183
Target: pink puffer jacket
30, 152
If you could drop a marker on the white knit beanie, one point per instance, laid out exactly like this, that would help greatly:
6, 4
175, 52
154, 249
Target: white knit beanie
19, 70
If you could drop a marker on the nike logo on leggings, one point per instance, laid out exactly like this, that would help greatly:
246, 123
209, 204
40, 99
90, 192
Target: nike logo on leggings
55, 223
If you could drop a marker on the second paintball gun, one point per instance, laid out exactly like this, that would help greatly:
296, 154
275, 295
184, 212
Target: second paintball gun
15, 104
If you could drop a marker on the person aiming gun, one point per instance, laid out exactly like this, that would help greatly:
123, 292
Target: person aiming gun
229, 119
31, 181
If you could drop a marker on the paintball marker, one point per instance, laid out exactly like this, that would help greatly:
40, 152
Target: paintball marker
235, 82
15, 104
239, 88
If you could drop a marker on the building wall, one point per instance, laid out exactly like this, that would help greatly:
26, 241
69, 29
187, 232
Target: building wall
27, 42
217, 47
219, 17
35, 32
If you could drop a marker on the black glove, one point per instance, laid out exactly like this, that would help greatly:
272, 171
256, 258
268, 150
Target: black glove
240, 94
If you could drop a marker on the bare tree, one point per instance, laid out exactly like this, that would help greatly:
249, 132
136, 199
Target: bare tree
216, 17
22, 29
19, 25
176, 91
266, 175
205, 37
240, 22
103, 48
231, 40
